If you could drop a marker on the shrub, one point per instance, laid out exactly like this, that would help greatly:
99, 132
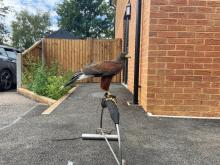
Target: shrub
53, 87
40, 81
28, 74
46, 81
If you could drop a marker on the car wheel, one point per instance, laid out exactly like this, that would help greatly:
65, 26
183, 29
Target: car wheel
5, 80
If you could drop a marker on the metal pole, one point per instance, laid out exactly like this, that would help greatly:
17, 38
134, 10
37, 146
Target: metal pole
116, 159
18, 68
99, 137
119, 144
101, 117
137, 51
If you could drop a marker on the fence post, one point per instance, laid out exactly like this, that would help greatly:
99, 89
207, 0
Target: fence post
42, 53
19, 65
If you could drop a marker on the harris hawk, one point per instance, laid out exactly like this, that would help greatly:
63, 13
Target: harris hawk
105, 69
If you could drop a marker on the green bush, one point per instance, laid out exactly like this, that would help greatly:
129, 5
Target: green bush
40, 81
46, 81
28, 74
53, 87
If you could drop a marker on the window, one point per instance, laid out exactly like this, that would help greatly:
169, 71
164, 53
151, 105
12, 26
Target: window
2, 52
126, 35
126, 39
11, 53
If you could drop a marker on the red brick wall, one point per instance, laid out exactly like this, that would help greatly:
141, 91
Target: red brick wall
184, 75
121, 5
143, 90
180, 55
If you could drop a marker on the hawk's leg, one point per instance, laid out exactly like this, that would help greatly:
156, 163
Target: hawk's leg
108, 97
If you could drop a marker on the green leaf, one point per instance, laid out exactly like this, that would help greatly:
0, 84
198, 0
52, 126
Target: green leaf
29, 28
94, 18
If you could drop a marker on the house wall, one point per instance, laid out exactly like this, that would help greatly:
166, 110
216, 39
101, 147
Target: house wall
185, 51
180, 55
121, 6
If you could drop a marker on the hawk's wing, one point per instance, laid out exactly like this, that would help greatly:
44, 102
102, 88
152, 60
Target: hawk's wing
105, 68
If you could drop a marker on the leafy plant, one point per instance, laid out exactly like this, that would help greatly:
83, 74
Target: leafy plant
40, 80
28, 73
46, 81
53, 87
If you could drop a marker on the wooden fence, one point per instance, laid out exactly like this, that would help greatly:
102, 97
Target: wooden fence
33, 54
72, 55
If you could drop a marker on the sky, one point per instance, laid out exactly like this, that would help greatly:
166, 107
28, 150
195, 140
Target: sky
32, 6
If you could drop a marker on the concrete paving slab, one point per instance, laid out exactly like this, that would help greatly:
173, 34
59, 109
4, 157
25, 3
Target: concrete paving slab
55, 139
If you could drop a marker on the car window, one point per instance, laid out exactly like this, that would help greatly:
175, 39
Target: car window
11, 53
2, 52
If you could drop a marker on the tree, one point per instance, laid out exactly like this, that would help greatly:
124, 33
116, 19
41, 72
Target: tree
93, 18
3, 31
29, 28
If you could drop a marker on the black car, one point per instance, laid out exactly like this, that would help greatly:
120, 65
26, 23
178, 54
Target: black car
7, 67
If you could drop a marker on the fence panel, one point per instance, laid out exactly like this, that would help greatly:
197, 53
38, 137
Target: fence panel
74, 54
31, 55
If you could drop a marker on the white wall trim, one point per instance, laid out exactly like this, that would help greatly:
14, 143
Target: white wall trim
181, 117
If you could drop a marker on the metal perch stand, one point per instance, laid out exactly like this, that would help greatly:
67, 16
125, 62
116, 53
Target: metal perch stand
109, 102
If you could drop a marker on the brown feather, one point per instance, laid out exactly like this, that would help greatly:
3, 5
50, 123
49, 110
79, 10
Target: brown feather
105, 82
105, 68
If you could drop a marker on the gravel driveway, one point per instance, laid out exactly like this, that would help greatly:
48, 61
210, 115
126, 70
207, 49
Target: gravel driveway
55, 139
12, 107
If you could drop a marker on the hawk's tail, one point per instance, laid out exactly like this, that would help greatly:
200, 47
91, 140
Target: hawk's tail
75, 77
